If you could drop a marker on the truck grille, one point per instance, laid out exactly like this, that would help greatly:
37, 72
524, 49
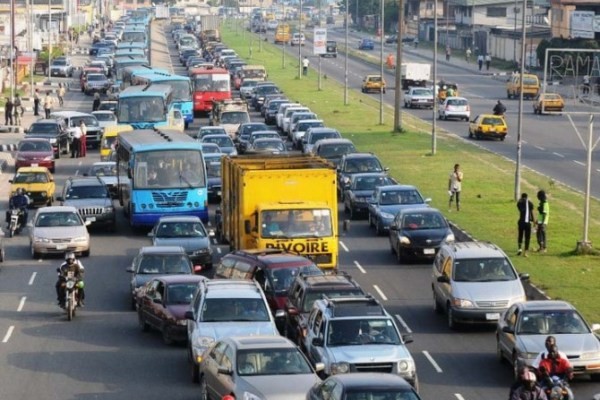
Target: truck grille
492, 304
61, 240
91, 211
374, 367
170, 199
320, 258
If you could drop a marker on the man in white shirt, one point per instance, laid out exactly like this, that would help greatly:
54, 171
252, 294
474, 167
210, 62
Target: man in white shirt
76, 143
549, 343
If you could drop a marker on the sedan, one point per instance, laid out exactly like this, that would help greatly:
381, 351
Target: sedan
37, 182
257, 368
35, 153
96, 83
106, 171
162, 303
366, 44
418, 233
455, 107
363, 385
187, 232
58, 230
213, 174
387, 201
548, 102
524, 327
360, 188
488, 126
268, 145
105, 118
223, 141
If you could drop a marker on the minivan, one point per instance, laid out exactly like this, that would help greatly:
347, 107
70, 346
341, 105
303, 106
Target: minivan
531, 86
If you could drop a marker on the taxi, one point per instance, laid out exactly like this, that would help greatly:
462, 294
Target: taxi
488, 126
372, 83
548, 102
531, 86
109, 139
38, 183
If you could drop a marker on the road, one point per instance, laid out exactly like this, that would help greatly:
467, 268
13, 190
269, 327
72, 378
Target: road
103, 355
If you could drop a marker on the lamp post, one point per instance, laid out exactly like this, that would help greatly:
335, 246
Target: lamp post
283, 44
435, 101
12, 54
520, 116
346, 59
398, 77
30, 30
300, 42
381, 17
49, 37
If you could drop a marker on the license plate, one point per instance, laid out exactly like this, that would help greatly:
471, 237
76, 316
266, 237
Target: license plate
219, 193
492, 316
91, 219
422, 101
492, 130
428, 251
61, 247
35, 164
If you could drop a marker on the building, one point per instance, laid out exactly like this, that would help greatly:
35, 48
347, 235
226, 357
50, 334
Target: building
575, 18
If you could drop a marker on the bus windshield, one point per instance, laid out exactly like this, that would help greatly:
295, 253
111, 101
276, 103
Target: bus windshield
182, 90
168, 169
211, 83
133, 36
141, 109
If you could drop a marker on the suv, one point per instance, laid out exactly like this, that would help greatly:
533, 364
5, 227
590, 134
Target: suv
72, 120
62, 66
356, 334
356, 163
53, 130
474, 282
330, 49
305, 290
373, 83
221, 307
92, 199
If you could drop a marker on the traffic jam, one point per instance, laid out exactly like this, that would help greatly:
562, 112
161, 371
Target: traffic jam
242, 196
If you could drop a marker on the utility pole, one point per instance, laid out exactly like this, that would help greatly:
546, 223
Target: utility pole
435, 100
520, 116
346, 57
398, 93
49, 37
381, 18
300, 42
13, 55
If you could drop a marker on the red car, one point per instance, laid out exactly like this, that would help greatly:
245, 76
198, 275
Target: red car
35, 152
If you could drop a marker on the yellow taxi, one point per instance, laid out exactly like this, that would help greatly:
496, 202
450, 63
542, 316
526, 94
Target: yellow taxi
373, 83
531, 86
109, 139
488, 126
38, 183
548, 102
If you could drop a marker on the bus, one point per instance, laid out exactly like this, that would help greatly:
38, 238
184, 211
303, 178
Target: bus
136, 34
145, 107
209, 84
123, 62
182, 91
137, 53
131, 46
160, 172
130, 75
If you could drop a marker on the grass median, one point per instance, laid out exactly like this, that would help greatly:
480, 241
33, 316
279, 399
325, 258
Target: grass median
488, 210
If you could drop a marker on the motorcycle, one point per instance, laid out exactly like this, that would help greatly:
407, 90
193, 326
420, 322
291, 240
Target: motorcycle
557, 389
71, 285
14, 224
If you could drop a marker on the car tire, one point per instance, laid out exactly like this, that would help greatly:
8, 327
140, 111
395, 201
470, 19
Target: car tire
203, 388
166, 338
370, 220
143, 325
352, 214
450, 316
399, 256
35, 255
196, 374
86, 253
499, 355
515, 365
436, 304
378, 229
470, 134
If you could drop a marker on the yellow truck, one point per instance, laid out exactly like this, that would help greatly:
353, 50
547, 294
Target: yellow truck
282, 34
287, 202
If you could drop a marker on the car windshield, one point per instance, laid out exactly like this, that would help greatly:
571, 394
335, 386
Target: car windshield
180, 293
282, 278
44, 129
263, 90
88, 121
234, 117
492, 121
422, 92
164, 264
105, 117
31, 177
389, 197
213, 168
266, 135
381, 394
276, 145
249, 83
313, 295
424, 220
370, 182
551, 322
457, 102
272, 362
180, 230
483, 270
110, 106
169, 169
296, 223
212, 131
103, 170
221, 141
96, 77
303, 126
59, 62
41, 146
58, 219
336, 150
86, 192
348, 332
248, 129
323, 135
362, 165
234, 309
141, 109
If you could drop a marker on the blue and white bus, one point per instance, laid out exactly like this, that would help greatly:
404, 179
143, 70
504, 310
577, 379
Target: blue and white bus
144, 107
160, 172
123, 62
130, 75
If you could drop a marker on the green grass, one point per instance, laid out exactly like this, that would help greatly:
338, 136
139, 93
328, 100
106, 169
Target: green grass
488, 209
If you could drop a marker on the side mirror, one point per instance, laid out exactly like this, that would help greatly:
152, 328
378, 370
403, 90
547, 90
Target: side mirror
524, 277
189, 315
129, 269
507, 329
224, 371
443, 279
279, 314
595, 327
247, 227
428, 200
319, 367
211, 233
317, 342
407, 338
292, 311
157, 300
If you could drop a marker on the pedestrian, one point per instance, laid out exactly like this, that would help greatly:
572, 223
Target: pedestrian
416, 42
468, 55
82, 139
48, 104
61, 94
36, 102
305, 64
586, 84
76, 143
542, 221
76, 37
447, 53
17, 111
8, 112
488, 61
455, 186
480, 61
526, 217
96, 103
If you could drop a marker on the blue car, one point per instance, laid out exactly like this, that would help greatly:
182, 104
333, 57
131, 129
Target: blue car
366, 44
388, 200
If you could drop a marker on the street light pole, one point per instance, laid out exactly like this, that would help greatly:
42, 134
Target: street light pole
381, 30
300, 42
515, 34
398, 77
520, 116
49, 37
283, 44
346, 59
12, 50
435, 100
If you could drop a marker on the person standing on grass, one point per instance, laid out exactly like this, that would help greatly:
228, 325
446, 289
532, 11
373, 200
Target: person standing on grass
542, 221
526, 217
455, 187
305, 64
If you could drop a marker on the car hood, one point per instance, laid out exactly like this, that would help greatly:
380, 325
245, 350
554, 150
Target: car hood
178, 310
366, 353
30, 187
109, 180
570, 344
222, 329
189, 244
278, 387
60, 232
431, 236
29, 155
214, 182
489, 291
395, 208
87, 203
104, 124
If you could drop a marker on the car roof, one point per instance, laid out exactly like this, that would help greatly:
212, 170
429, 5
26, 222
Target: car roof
420, 210
232, 288
216, 135
86, 181
396, 187
103, 112
33, 139
370, 380
261, 342
273, 257
540, 305
46, 121
69, 114
181, 278
50, 209
359, 155
32, 169
333, 141
475, 249
179, 218
329, 281
162, 250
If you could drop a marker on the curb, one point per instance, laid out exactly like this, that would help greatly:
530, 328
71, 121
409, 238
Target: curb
7, 147
3, 165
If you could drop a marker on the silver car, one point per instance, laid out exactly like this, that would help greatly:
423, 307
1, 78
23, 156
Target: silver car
524, 327
455, 107
57, 230
258, 368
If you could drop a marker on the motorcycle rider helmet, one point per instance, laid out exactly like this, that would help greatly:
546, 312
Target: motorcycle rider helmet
70, 257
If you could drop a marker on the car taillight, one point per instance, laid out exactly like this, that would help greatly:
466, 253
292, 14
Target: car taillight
228, 397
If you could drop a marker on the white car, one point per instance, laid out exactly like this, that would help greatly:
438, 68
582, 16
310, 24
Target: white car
298, 39
455, 107
272, 25
105, 118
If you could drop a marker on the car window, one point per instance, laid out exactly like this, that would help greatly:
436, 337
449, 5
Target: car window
242, 270
483, 270
551, 322
282, 278
58, 219
371, 182
164, 264
423, 221
344, 332
314, 295
103, 170
234, 309
272, 362
381, 394
86, 192
35, 146
180, 229
36, 177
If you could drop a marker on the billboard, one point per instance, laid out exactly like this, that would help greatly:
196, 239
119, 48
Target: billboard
320, 41
582, 24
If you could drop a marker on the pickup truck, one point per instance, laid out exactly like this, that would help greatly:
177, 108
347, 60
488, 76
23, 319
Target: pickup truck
418, 97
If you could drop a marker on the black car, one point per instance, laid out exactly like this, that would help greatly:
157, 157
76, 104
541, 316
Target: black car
55, 131
271, 110
259, 93
360, 188
243, 134
330, 49
355, 163
94, 49
363, 385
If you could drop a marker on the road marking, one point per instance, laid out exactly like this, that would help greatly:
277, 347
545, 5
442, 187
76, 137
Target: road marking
540, 148
403, 323
219, 250
381, 294
33, 275
360, 268
76, 172
579, 162
80, 162
21, 303
8, 333
459, 396
558, 154
344, 246
432, 361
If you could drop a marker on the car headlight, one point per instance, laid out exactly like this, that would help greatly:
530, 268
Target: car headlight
201, 251
49, 158
340, 368
405, 366
346, 180
386, 215
404, 240
109, 209
590, 355
250, 396
182, 322
41, 240
450, 238
44, 194
53, 140
528, 356
203, 341
80, 239
462, 303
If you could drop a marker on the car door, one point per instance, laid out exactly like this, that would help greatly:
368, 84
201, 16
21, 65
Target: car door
440, 261
145, 300
395, 231
224, 383
210, 370
506, 341
316, 330
374, 205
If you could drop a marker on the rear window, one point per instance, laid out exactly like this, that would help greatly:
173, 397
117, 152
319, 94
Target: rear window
43, 128
457, 102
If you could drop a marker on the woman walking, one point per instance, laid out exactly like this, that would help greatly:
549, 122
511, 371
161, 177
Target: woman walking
542, 222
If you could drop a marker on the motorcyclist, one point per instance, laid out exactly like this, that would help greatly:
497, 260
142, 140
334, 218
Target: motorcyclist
71, 264
555, 365
499, 108
528, 390
521, 377
19, 201
548, 343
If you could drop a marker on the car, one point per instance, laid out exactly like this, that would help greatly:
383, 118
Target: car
152, 261
35, 152
105, 118
243, 133
313, 135
223, 306
211, 148
267, 134
366, 44
188, 232
93, 51
360, 188
333, 149
356, 334
72, 120
548, 102
391, 39
363, 385
96, 83
418, 97
37, 182
100, 63
209, 130
298, 39
108, 105
212, 161
223, 141
187, 53
268, 145
259, 93
488, 126
531, 86
455, 107
281, 112
387, 201
373, 83
356, 163
300, 129
193, 61
58, 230
52, 130
272, 24
92, 199
106, 171
474, 282
524, 327
330, 49
62, 66
85, 72
271, 110
287, 117
247, 88
418, 233
303, 292
162, 303
268, 99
